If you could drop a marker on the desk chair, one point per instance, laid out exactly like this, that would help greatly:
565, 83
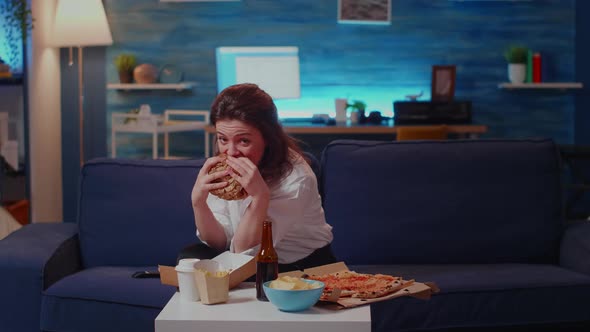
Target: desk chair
405, 133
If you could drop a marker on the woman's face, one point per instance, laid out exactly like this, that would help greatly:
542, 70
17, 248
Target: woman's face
238, 139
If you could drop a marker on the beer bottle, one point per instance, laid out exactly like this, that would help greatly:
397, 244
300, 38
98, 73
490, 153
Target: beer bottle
267, 261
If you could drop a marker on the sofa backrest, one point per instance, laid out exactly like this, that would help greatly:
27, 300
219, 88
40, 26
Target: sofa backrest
136, 212
456, 201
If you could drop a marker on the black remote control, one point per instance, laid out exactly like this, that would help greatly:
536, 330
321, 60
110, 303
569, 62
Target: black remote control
146, 274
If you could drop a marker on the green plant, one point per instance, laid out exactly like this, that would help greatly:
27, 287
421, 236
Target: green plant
357, 105
17, 21
516, 54
125, 62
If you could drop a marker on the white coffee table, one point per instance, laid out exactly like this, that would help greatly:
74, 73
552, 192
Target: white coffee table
244, 313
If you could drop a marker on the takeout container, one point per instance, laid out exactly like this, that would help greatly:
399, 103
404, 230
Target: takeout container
240, 267
212, 281
407, 287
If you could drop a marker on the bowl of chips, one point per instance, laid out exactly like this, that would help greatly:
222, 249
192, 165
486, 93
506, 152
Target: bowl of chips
293, 294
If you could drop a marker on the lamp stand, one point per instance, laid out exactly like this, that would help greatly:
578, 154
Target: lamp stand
81, 101
80, 97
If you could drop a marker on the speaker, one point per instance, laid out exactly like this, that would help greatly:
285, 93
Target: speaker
432, 112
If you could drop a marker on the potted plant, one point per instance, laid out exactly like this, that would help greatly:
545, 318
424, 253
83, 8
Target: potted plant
125, 64
517, 58
357, 107
17, 21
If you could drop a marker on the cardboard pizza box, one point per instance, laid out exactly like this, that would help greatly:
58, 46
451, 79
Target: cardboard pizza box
241, 267
407, 287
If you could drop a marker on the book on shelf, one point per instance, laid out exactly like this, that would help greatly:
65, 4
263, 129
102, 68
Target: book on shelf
529, 67
537, 68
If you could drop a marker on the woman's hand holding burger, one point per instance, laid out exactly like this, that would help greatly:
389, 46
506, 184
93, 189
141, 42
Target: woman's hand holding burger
207, 181
246, 173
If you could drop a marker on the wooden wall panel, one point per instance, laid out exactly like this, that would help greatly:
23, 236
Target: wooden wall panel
376, 63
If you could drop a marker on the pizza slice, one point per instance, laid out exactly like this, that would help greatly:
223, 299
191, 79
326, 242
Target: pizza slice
382, 288
357, 285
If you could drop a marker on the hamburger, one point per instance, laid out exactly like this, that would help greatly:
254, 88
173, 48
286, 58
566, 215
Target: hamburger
233, 190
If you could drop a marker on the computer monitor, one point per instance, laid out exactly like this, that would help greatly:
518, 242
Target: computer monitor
274, 69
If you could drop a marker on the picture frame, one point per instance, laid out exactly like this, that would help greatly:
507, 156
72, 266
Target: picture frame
443, 82
364, 11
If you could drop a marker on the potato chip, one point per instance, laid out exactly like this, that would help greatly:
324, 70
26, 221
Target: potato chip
292, 283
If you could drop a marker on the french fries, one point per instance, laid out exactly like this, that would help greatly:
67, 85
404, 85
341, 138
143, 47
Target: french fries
216, 274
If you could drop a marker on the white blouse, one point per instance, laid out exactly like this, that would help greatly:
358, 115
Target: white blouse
298, 223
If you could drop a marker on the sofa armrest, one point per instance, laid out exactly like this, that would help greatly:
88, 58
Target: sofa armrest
575, 247
31, 259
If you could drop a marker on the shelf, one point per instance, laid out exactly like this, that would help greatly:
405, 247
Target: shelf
547, 85
15, 80
154, 86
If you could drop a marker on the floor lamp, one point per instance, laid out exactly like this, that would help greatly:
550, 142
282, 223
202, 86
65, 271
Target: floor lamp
80, 23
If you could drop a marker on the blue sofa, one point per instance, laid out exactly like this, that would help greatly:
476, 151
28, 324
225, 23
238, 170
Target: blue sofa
481, 218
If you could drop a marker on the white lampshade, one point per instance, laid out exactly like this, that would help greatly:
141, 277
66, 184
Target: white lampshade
81, 23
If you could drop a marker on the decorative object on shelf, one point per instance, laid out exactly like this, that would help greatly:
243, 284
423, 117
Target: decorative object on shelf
145, 74
131, 119
359, 107
170, 74
375, 118
17, 21
71, 31
517, 59
414, 97
537, 71
340, 106
4, 70
125, 64
364, 12
529, 67
145, 112
443, 82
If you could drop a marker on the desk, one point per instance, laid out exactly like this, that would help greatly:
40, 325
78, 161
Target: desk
244, 313
155, 125
470, 131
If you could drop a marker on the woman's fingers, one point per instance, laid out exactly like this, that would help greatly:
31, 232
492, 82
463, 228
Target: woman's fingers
217, 175
242, 166
216, 185
236, 167
208, 164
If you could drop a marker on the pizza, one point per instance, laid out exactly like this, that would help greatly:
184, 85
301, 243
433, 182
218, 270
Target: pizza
358, 285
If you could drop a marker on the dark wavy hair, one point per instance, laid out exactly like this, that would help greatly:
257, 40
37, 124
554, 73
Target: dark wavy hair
250, 104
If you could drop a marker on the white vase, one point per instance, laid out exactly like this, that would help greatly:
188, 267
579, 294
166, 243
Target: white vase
516, 72
340, 104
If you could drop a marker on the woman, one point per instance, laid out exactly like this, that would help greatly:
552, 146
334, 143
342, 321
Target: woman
280, 184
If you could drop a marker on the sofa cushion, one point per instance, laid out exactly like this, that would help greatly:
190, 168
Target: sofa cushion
457, 201
104, 299
136, 212
484, 295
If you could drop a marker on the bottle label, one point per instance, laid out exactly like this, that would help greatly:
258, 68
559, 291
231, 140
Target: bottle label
265, 272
